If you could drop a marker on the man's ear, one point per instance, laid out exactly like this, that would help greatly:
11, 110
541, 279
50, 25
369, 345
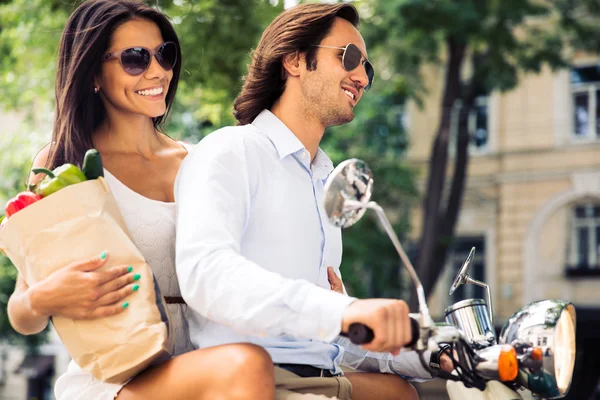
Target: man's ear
293, 63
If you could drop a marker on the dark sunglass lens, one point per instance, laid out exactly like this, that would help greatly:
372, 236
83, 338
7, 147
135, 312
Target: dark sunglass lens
352, 57
135, 60
370, 73
167, 56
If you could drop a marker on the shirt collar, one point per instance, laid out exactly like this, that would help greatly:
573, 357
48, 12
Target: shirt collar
280, 135
322, 165
286, 143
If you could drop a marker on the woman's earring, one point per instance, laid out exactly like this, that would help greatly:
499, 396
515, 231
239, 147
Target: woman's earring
96, 89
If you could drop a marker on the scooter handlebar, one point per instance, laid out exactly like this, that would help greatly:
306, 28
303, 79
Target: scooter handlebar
362, 334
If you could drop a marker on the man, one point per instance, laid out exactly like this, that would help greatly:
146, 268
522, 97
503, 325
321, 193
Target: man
253, 240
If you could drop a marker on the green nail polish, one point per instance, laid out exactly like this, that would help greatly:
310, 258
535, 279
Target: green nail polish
135, 288
129, 269
137, 277
125, 305
103, 255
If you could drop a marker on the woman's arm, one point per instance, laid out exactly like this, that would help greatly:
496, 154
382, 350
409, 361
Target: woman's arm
23, 318
21, 310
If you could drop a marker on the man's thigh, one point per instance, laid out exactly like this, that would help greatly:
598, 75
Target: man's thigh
289, 386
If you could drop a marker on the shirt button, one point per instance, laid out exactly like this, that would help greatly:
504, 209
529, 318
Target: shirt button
305, 154
322, 334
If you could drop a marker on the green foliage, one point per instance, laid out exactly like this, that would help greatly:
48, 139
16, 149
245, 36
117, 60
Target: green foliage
216, 39
504, 37
18, 152
370, 265
580, 22
29, 37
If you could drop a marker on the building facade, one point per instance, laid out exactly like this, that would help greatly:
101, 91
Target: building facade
532, 200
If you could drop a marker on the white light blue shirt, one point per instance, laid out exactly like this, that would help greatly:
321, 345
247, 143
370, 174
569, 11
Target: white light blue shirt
254, 243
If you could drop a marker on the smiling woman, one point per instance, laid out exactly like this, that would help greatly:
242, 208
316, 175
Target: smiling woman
133, 78
118, 69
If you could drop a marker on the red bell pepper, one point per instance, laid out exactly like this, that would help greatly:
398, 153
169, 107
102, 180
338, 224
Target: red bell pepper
21, 201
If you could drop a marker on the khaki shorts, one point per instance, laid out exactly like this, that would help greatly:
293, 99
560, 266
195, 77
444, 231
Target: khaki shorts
289, 386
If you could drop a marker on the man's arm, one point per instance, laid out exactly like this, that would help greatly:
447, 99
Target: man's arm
406, 364
213, 194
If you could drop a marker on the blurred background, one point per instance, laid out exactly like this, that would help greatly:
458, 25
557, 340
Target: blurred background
482, 129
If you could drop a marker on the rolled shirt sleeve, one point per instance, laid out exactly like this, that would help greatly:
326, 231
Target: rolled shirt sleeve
406, 364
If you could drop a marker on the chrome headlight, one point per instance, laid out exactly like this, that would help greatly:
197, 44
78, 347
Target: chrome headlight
546, 329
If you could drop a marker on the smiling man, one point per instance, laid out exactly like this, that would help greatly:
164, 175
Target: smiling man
253, 240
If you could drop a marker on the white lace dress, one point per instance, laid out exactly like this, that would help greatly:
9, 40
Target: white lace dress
151, 224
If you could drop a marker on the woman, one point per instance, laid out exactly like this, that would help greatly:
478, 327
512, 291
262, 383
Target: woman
118, 69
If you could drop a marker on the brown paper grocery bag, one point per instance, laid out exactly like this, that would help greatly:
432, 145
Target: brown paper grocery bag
74, 224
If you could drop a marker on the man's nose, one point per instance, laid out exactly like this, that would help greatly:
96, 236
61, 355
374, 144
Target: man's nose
359, 75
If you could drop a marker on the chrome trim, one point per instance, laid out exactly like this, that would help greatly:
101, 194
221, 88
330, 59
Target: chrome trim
472, 317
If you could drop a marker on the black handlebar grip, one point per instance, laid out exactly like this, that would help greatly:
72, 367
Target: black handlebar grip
414, 332
360, 334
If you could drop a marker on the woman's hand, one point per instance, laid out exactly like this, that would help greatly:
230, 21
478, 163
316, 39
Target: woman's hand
81, 291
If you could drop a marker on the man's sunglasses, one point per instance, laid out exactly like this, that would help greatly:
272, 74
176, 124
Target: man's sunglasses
136, 60
352, 58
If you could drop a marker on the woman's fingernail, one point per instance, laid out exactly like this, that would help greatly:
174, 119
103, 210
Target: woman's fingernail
135, 288
129, 269
125, 305
103, 255
137, 277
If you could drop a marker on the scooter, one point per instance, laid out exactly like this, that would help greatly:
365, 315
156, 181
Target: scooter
533, 357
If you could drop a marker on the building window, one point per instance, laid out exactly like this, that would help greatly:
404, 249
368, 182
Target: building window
585, 237
459, 252
585, 88
478, 125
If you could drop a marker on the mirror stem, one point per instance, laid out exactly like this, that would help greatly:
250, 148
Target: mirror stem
487, 292
426, 321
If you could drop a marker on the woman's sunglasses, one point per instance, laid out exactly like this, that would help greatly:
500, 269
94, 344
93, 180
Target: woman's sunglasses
352, 58
136, 60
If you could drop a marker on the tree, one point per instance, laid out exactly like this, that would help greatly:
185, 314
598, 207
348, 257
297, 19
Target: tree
496, 41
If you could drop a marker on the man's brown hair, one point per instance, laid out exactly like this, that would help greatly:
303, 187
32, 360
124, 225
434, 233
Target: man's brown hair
297, 29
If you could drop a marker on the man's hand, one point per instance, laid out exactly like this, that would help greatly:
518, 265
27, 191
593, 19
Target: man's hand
337, 286
335, 281
446, 363
387, 318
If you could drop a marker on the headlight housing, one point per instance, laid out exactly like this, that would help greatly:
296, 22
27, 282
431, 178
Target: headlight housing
549, 326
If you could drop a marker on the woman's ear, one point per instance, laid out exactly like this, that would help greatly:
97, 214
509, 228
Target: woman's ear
293, 63
97, 84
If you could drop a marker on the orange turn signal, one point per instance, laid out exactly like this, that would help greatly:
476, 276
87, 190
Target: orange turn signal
537, 354
508, 365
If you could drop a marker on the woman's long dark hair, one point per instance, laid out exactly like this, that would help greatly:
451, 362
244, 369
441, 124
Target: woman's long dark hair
84, 41
297, 29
